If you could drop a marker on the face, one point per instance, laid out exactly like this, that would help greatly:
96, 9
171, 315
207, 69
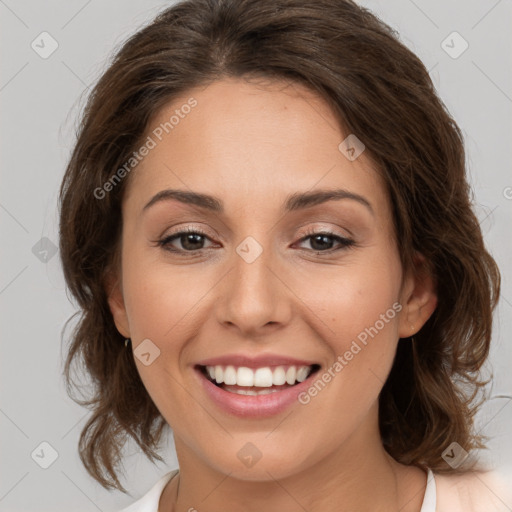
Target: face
267, 284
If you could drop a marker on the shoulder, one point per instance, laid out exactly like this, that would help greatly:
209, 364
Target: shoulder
474, 491
150, 500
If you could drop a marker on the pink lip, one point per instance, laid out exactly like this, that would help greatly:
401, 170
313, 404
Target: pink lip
254, 362
253, 406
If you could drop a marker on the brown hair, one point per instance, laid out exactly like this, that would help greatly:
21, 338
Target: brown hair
381, 92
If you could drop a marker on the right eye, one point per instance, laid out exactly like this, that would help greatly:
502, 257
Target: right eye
190, 240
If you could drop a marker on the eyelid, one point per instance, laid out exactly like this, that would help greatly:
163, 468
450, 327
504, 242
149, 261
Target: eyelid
316, 229
191, 228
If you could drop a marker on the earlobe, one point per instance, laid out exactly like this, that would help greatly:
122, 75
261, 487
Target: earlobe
421, 299
116, 304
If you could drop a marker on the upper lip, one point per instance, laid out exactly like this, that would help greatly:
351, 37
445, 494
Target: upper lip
259, 361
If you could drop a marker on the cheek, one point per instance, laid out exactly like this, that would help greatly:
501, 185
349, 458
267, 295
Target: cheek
165, 304
353, 300
161, 299
161, 308
360, 312
363, 349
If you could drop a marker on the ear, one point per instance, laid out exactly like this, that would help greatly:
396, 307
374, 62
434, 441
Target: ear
116, 303
419, 298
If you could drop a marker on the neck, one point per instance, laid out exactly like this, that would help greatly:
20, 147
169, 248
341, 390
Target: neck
359, 475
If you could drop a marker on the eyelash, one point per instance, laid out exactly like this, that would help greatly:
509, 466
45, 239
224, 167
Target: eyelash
164, 242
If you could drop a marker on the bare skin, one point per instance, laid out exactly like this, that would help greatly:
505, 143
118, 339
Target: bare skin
251, 146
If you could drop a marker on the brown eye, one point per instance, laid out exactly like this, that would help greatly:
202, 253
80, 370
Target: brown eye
191, 240
323, 241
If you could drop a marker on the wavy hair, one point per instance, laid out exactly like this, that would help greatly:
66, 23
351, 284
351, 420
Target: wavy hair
379, 90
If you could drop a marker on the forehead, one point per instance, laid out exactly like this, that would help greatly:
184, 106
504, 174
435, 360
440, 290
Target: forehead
249, 141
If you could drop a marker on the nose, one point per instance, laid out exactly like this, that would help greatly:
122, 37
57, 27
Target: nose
255, 299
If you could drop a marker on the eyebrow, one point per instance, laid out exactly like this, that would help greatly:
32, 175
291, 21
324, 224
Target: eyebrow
294, 202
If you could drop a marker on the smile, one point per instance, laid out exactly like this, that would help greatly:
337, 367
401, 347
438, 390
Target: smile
270, 379
255, 391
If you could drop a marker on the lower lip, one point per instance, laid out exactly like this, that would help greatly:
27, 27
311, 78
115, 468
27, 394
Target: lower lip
253, 406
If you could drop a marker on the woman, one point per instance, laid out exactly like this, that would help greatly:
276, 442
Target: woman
267, 226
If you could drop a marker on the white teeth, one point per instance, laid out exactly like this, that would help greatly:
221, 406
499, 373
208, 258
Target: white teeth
245, 376
252, 392
230, 375
291, 373
302, 373
265, 377
279, 376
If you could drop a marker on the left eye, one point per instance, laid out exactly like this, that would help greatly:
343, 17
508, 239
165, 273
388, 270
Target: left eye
320, 240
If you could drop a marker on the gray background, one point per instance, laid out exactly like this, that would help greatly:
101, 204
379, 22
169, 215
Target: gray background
40, 101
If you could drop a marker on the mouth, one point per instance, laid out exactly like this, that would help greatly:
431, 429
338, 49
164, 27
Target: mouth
255, 392
247, 381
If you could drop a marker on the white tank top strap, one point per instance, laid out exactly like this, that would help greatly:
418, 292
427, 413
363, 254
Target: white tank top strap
430, 497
